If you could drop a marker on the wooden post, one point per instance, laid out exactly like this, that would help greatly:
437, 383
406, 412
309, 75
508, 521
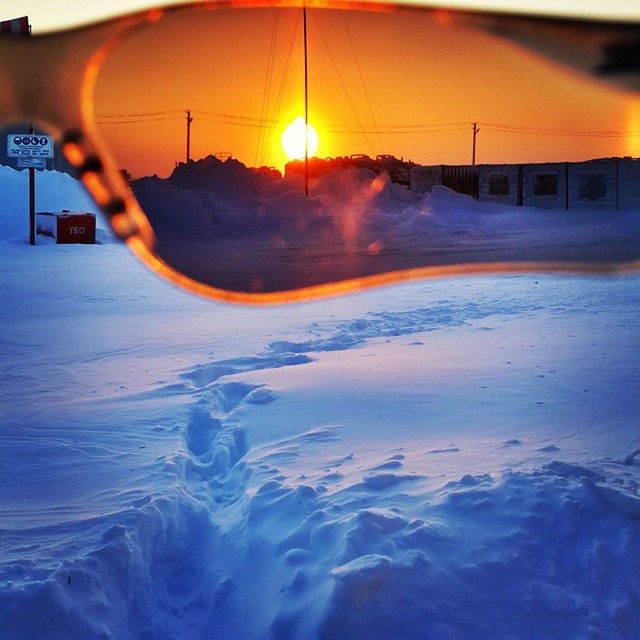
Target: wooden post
306, 105
617, 184
32, 201
520, 186
32, 194
189, 121
475, 133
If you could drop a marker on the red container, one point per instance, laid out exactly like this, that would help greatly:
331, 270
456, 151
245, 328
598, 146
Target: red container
76, 228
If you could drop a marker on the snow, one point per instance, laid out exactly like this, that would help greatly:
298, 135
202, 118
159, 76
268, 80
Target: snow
354, 223
454, 458
54, 197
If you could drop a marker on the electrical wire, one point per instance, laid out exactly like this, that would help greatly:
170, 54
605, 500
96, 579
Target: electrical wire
394, 131
364, 84
281, 87
267, 82
234, 117
139, 115
342, 82
557, 132
386, 129
139, 121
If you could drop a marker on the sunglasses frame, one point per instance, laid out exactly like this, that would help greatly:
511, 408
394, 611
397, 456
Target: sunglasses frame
49, 80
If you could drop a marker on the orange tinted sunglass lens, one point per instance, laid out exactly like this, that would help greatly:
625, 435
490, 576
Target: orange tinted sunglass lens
430, 148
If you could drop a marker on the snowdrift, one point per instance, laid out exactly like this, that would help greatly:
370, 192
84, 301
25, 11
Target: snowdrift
211, 214
55, 191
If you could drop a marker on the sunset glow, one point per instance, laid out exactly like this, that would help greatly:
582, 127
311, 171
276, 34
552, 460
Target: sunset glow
633, 126
401, 84
294, 143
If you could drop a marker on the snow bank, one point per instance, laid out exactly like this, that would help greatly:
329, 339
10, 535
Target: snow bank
55, 191
210, 214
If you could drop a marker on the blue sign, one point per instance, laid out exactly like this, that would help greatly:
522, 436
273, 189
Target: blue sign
29, 145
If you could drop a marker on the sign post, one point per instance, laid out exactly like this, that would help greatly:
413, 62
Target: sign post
32, 202
31, 149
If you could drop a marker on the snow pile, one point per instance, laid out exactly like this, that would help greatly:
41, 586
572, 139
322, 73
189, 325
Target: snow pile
55, 191
210, 214
451, 459
195, 215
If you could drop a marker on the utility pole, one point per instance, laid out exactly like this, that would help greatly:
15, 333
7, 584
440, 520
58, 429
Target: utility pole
475, 133
189, 121
306, 105
32, 201
32, 193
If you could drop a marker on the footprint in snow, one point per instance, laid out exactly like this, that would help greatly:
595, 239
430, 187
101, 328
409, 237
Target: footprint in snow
514, 442
550, 448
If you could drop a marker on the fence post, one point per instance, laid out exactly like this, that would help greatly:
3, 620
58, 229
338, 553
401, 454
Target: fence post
617, 184
520, 189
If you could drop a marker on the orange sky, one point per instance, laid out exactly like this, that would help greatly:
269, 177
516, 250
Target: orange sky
415, 72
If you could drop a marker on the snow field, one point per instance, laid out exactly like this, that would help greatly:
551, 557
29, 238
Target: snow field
455, 458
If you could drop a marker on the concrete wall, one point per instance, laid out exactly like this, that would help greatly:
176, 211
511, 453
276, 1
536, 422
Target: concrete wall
596, 184
498, 183
629, 182
593, 185
544, 185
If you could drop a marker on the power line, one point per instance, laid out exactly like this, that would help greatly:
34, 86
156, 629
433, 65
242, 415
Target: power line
263, 120
266, 90
395, 131
136, 115
557, 132
626, 134
416, 126
283, 81
232, 116
251, 125
385, 129
364, 85
139, 121
344, 86
278, 101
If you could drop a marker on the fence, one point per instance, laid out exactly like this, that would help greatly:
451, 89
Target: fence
461, 179
611, 183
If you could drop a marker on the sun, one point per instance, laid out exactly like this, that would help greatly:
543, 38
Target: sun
293, 140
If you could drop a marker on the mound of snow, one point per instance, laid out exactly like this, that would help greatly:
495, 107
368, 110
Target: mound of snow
210, 214
55, 191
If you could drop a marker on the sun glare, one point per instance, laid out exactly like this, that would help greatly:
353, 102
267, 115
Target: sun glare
293, 140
